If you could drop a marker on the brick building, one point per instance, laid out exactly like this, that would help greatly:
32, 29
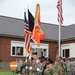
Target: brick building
12, 40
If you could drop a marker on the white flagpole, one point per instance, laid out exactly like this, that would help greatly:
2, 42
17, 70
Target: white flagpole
59, 42
60, 20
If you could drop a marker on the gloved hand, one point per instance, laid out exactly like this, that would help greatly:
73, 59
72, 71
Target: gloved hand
38, 70
29, 57
26, 67
30, 68
37, 61
26, 60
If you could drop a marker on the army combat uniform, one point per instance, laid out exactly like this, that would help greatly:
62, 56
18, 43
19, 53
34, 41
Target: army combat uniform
27, 65
49, 70
34, 68
49, 67
58, 68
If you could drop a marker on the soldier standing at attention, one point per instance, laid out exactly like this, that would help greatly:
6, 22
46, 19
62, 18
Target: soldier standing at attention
30, 66
35, 64
49, 67
27, 65
65, 65
41, 66
69, 67
58, 67
74, 67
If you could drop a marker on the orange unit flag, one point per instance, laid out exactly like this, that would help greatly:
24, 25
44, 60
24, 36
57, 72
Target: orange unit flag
36, 30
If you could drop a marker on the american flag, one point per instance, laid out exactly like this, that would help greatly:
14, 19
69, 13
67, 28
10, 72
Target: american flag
59, 6
27, 35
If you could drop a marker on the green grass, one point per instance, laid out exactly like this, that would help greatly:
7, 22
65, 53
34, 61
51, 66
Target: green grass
7, 73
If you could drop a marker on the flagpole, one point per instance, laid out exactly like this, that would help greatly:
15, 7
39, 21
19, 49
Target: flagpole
24, 34
60, 20
59, 42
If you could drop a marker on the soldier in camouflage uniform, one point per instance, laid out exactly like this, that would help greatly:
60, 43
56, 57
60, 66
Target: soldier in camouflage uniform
65, 66
49, 67
35, 64
58, 67
20, 65
41, 66
74, 67
27, 65
30, 68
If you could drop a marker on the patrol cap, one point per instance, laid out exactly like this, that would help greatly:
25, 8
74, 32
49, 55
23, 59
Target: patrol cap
35, 53
31, 58
60, 57
48, 59
42, 57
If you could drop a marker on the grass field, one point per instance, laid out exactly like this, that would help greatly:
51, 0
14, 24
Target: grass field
7, 73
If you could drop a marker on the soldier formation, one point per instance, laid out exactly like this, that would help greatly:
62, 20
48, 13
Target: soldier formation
45, 66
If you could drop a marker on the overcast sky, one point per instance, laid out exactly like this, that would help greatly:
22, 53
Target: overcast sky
48, 10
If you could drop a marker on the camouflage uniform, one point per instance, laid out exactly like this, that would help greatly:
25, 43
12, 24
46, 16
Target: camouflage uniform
34, 68
65, 68
30, 70
58, 68
41, 67
49, 70
35, 64
74, 68
27, 65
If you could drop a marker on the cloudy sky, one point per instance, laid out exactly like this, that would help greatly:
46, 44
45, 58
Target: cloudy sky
15, 8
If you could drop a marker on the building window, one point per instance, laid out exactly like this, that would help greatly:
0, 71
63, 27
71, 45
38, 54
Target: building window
13, 51
17, 51
66, 52
17, 48
42, 50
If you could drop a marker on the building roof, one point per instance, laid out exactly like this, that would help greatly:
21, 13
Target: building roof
14, 27
11, 26
68, 32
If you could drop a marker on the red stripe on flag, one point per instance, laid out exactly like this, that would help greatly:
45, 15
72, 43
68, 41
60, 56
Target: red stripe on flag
27, 36
59, 7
